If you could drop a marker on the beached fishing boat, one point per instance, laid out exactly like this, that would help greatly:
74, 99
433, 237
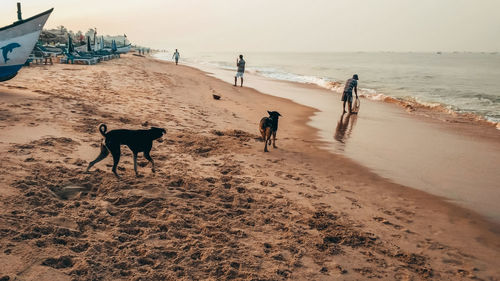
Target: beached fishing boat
17, 41
123, 49
82, 48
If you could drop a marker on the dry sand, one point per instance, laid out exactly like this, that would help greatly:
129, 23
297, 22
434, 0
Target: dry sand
218, 207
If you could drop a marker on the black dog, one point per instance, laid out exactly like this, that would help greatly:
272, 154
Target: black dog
268, 126
136, 140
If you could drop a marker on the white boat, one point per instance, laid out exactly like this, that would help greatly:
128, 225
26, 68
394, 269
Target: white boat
123, 49
17, 41
82, 48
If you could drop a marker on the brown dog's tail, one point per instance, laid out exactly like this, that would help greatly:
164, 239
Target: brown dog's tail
103, 128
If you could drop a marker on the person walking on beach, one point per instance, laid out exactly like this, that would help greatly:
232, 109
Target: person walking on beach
241, 69
351, 84
176, 56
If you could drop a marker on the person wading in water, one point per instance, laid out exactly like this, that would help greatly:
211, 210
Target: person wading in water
351, 84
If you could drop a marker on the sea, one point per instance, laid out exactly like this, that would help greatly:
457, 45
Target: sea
459, 82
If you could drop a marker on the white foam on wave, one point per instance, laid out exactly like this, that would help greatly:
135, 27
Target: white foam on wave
292, 77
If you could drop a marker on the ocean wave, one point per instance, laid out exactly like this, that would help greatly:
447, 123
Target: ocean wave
286, 76
411, 104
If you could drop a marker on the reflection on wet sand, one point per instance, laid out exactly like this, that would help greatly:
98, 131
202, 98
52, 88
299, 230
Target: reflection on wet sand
345, 126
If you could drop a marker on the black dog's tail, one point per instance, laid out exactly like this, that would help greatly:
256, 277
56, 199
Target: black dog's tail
103, 128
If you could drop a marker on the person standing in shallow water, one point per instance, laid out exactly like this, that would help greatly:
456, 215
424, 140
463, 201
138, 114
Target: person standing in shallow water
241, 69
176, 56
351, 84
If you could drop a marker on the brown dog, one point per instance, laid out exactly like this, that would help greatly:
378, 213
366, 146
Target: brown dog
269, 126
136, 140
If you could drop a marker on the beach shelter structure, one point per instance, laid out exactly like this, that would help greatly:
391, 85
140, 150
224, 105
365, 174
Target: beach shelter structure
96, 43
71, 47
101, 45
89, 47
113, 46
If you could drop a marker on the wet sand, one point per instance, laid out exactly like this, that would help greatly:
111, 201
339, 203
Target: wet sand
218, 208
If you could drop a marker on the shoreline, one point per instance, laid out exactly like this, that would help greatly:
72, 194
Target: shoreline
433, 110
218, 207
446, 131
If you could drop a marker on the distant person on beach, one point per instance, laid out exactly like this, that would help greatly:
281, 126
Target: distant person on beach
176, 56
351, 84
241, 69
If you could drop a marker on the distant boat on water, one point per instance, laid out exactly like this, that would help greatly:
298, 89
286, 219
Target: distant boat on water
17, 41
439, 53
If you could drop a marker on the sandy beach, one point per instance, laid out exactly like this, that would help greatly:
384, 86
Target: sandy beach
218, 207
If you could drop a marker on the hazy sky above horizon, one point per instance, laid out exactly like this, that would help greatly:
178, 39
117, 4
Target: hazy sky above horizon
285, 25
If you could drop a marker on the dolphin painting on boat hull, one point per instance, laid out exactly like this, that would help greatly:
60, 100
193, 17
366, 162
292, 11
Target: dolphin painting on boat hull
8, 49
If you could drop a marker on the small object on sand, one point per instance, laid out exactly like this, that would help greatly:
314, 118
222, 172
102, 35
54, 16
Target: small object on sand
71, 191
137, 55
216, 97
357, 105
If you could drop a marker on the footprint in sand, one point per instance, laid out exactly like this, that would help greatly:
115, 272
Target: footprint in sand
386, 222
354, 202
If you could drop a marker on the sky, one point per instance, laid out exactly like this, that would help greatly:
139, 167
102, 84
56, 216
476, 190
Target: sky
281, 26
